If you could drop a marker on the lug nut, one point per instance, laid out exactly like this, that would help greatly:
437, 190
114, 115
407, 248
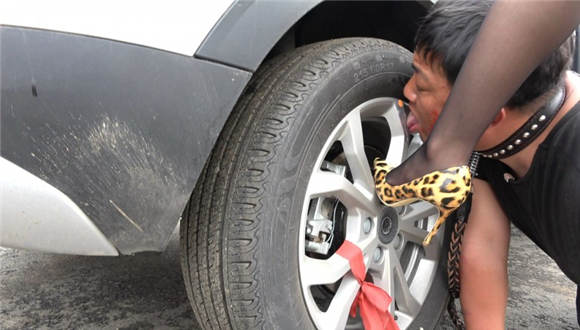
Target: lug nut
377, 255
397, 241
367, 225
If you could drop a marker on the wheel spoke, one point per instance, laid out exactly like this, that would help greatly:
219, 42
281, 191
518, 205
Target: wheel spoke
395, 283
419, 211
385, 277
433, 250
337, 314
368, 246
318, 271
406, 302
411, 233
403, 320
328, 184
399, 136
353, 144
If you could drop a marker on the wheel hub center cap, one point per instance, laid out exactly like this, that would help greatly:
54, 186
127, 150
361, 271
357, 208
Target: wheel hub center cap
388, 226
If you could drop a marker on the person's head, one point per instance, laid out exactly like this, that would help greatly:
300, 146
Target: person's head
441, 46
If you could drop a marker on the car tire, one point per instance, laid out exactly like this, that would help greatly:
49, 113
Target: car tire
243, 232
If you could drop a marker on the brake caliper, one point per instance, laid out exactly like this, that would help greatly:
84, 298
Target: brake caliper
322, 216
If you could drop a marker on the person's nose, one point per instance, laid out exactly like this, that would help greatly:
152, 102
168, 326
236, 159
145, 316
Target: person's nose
409, 90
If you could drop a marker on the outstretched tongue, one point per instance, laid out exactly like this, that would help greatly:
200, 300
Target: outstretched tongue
412, 123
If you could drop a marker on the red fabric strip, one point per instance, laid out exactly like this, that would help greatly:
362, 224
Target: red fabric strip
371, 300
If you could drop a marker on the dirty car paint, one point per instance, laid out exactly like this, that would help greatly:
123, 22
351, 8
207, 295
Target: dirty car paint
122, 130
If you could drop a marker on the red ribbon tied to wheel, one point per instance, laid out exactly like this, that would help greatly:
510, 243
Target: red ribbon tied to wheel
372, 301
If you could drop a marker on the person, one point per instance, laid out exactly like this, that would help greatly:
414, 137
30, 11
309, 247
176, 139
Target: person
521, 34
531, 166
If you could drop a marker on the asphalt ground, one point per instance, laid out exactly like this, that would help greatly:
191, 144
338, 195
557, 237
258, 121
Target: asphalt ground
146, 291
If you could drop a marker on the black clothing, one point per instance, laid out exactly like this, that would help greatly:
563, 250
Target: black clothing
545, 203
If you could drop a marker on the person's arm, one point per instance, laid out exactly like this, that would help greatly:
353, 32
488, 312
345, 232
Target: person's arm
483, 266
515, 37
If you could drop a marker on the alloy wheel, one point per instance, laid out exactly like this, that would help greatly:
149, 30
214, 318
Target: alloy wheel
341, 204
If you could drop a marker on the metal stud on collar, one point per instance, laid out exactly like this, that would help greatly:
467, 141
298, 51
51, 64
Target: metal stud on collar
530, 130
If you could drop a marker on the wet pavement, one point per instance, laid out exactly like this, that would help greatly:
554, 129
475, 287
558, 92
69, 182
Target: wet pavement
146, 291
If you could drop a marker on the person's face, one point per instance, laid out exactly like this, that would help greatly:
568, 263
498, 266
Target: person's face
426, 91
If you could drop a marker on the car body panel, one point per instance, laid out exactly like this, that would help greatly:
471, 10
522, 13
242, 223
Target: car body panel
174, 25
122, 130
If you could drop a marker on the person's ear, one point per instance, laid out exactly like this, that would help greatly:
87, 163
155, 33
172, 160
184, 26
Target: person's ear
499, 117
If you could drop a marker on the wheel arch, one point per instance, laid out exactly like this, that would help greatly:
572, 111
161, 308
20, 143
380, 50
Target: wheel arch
251, 32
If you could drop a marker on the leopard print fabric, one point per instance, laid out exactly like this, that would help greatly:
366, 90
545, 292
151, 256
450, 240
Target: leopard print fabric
446, 189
